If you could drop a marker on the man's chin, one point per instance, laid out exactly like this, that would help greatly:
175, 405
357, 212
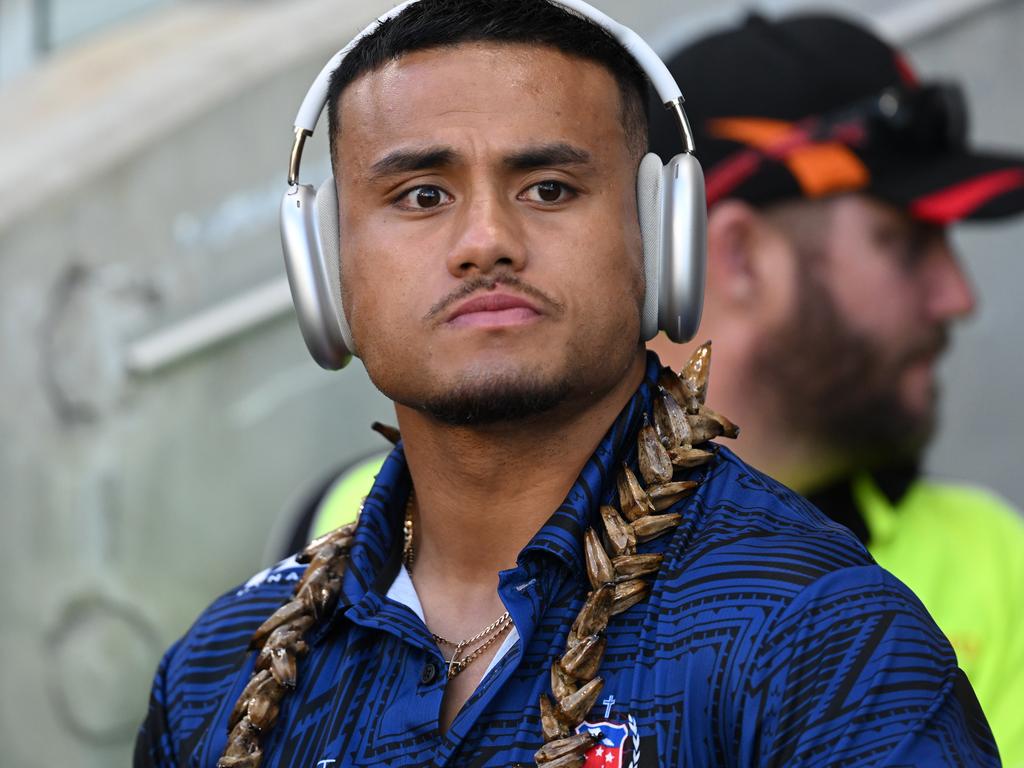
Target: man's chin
495, 398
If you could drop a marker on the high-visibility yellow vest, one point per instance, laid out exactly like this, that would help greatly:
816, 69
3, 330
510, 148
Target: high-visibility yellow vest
341, 502
961, 550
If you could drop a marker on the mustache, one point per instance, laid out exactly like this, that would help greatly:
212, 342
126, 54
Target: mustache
490, 282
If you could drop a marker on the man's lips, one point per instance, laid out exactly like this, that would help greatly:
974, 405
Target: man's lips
493, 309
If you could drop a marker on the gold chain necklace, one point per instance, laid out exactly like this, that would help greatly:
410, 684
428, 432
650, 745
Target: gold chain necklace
617, 574
486, 637
408, 546
489, 635
485, 632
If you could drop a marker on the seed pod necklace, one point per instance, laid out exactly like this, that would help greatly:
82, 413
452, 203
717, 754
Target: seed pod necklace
619, 579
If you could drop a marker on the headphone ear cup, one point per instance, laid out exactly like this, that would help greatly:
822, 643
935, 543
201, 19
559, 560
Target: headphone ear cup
329, 233
649, 196
684, 248
311, 259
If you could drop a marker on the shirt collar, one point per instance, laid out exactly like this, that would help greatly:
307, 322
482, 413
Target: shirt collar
376, 553
561, 537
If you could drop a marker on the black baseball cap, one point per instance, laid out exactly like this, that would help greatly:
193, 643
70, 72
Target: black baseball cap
813, 105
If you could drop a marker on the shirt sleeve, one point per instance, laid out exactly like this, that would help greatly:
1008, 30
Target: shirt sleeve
153, 744
854, 672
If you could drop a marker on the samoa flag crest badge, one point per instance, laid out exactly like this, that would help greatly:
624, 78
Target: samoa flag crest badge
619, 746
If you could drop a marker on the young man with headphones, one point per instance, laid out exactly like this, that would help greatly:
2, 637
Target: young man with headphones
834, 243
554, 565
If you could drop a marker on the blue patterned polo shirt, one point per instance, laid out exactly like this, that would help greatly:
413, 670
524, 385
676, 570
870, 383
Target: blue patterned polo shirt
770, 639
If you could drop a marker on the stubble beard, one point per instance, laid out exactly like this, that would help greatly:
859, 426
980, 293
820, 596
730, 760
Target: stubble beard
836, 389
493, 399
594, 362
517, 393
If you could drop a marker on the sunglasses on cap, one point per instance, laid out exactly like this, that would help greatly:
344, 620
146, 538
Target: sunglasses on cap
925, 119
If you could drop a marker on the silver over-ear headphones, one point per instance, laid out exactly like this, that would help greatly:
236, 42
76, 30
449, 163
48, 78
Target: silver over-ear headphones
670, 200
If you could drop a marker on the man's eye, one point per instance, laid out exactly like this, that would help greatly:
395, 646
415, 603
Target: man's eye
424, 198
549, 192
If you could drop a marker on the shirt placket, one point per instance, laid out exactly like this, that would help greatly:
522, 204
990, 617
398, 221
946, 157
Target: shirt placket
522, 594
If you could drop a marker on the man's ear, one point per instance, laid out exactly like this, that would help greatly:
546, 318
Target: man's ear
735, 262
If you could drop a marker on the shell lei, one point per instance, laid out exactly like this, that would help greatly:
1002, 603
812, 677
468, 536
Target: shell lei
619, 579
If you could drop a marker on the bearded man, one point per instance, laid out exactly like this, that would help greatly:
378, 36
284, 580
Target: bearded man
832, 181
554, 565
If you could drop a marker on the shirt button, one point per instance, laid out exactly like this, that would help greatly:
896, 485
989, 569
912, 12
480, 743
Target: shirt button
429, 673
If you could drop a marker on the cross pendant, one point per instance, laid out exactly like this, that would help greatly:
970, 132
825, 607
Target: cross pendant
454, 665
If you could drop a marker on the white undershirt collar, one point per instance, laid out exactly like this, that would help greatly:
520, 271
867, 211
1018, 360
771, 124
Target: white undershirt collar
403, 591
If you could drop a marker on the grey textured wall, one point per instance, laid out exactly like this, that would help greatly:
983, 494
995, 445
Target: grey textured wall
141, 176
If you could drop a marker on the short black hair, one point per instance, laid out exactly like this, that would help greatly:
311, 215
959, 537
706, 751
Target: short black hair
440, 23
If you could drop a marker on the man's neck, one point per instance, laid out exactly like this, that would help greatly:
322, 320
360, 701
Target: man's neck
768, 443
481, 493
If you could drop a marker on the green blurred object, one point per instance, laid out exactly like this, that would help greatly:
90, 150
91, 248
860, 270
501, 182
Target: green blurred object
945, 541
343, 499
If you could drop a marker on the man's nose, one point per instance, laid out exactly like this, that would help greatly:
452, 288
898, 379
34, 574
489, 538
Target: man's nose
488, 235
950, 295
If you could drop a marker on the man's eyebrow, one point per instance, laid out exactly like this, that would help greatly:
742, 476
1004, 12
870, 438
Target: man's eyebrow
547, 155
409, 160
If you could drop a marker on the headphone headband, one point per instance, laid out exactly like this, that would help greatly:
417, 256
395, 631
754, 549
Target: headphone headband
671, 211
652, 65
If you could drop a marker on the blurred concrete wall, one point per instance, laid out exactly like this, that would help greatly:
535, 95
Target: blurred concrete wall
141, 175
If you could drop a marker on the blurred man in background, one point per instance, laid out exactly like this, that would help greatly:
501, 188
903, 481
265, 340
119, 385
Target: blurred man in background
833, 174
